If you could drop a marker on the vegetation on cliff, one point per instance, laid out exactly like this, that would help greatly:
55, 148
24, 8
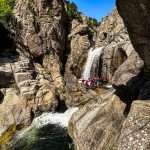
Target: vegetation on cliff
72, 11
92, 22
6, 7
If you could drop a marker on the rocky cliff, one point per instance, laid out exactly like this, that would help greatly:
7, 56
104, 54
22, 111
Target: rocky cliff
31, 67
136, 20
43, 52
119, 118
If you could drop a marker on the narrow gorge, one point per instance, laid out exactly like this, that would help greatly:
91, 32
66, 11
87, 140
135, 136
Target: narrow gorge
69, 82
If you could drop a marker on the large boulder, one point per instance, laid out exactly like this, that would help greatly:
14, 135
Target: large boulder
129, 75
97, 124
13, 110
113, 56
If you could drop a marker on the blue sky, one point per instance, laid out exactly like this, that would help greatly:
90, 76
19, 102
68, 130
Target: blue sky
95, 8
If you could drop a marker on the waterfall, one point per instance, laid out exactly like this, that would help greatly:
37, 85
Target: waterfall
46, 131
61, 119
92, 63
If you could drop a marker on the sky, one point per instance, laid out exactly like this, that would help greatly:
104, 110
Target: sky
95, 8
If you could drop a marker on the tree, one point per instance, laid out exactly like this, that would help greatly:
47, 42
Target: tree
72, 11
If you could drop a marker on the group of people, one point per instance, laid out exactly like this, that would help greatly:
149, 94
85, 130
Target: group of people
92, 82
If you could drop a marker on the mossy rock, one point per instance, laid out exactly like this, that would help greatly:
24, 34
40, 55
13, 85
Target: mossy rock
70, 129
6, 8
6, 137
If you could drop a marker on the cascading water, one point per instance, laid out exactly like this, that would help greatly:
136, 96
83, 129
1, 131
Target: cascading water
92, 63
61, 119
47, 131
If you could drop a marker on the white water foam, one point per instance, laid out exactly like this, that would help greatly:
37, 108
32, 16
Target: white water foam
93, 55
61, 119
108, 86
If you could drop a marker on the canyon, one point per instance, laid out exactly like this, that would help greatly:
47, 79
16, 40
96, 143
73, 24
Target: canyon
47, 47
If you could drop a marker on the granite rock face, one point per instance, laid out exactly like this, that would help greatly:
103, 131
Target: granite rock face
135, 133
113, 35
49, 57
79, 44
100, 123
41, 33
34, 67
111, 29
128, 76
13, 110
41, 26
97, 125
113, 56
136, 18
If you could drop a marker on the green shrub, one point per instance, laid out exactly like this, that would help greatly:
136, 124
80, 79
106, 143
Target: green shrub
14, 86
6, 7
30, 3
47, 71
92, 22
72, 11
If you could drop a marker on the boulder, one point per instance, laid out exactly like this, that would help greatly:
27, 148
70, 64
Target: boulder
13, 110
98, 123
113, 56
128, 70
128, 78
